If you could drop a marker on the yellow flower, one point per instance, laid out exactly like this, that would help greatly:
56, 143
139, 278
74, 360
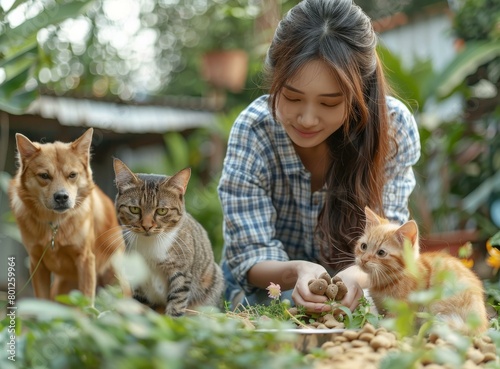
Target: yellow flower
469, 263
494, 258
274, 291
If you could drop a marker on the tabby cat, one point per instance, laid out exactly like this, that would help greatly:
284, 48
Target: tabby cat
183, 272
379, 253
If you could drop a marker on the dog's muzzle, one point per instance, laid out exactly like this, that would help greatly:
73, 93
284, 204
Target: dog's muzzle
61, 201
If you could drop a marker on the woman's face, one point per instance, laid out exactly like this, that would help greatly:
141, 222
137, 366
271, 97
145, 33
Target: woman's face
311, 105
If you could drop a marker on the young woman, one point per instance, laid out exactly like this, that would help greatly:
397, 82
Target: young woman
304, 161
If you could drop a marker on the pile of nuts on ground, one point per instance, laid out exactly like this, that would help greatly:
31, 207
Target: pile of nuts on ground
366, 347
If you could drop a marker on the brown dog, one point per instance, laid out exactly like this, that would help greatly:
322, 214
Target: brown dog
68, 225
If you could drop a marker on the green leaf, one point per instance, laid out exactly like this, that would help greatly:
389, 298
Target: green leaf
448, 356
17, 74
45, 310
28, 47
75, 298
495, 240
402, 80
18, 103
14, 69
49, 16
465, 63
178, 152
399, 360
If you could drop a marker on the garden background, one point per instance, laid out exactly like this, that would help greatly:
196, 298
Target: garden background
143, 74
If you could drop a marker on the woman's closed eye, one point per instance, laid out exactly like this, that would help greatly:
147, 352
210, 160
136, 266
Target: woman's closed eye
330, 105
291, 99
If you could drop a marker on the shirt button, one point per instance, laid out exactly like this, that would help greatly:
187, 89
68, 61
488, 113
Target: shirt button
392, 197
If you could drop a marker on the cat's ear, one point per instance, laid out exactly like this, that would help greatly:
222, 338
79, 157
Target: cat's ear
408, 231
372, 219
180, 180
123, 175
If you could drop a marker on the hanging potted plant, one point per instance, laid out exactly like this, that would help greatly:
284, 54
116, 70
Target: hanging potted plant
226, 69
228, 38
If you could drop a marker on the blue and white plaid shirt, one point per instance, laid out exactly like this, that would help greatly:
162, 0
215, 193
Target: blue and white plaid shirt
265, 191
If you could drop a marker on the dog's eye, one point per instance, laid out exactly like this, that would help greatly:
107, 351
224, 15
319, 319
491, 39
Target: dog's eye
72, 175
161, 211
134, 209
44, 175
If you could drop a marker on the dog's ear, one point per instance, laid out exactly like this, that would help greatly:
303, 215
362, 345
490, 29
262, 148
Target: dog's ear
82, 144
25, 147
123, 175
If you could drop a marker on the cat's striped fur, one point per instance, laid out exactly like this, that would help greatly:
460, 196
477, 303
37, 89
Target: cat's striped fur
379, 253
183, 272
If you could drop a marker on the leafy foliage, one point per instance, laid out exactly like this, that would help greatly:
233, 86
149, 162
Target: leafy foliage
121, 333
478, 20
361, 315
20, 56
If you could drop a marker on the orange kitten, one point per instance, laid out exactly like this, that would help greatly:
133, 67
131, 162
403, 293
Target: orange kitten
379, 253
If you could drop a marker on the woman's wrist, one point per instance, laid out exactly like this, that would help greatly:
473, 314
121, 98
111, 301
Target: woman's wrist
283, 273
354, 274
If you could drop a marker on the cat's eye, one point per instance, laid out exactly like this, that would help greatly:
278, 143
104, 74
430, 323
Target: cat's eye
161, 211
363, 246
134, 209
381, 253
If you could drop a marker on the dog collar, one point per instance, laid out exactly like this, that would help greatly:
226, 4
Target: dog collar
55, 228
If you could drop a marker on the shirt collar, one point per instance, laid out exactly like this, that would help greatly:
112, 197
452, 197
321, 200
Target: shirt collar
289, 157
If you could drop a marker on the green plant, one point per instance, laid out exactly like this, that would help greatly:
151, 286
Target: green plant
121, 333
478, 20
456, 170
361, 315
20, 55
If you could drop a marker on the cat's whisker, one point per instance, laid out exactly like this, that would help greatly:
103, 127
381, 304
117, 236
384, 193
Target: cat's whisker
130, 240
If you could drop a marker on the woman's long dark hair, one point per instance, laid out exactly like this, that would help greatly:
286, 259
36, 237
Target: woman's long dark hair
339, 33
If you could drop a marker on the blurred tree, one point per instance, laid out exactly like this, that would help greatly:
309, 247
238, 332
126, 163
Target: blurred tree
20, 55
124, 49
378, 9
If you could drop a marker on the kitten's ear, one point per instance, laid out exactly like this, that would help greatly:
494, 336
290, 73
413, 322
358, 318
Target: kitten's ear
409, 231
25, 147
82, 144
372, 219
180, 180
123, 175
